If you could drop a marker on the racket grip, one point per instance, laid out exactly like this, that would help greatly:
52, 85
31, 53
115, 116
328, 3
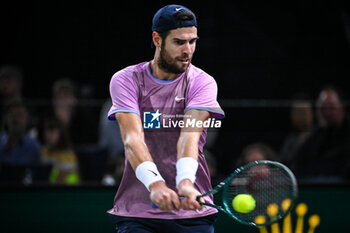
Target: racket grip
199, 201
154, 206
198, 197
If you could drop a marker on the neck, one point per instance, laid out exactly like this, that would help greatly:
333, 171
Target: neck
161, 74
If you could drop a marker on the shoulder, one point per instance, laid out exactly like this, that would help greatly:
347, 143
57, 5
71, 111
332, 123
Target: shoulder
31, 142
196, 75
199, 79
3, 138
130, 71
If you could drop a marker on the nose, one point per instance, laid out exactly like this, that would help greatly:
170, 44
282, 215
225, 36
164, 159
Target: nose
187, 49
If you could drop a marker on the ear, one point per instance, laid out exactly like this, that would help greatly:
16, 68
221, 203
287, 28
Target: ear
157, 40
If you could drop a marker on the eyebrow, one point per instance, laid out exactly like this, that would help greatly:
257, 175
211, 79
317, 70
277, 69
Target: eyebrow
181, 40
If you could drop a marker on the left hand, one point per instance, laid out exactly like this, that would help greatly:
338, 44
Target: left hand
187, 189
163, 197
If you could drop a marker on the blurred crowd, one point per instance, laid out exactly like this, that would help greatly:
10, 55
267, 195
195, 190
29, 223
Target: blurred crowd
69, 141
317, 146
66, 140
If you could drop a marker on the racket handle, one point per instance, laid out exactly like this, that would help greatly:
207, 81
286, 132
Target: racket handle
154, 206
199, 201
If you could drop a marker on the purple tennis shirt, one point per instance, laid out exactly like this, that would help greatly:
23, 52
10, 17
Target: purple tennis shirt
161, 106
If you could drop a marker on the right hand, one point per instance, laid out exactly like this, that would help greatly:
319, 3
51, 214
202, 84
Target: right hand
164, 197
187, 189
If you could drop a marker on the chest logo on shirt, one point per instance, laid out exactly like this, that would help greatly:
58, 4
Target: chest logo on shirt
151, 120
178, 99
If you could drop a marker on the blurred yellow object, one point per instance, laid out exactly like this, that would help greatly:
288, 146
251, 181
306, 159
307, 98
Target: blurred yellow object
286, 204
300, 211
314, 221
272, 211
54, 174
287, 221
72, 178
261, 220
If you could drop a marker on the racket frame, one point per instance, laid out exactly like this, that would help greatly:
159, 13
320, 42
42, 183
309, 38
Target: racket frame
225, 184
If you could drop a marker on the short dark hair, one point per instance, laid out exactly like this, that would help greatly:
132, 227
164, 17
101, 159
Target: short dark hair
65, 85
164, 35
64, 141
184, 16
337, 90
13, 72
267, 151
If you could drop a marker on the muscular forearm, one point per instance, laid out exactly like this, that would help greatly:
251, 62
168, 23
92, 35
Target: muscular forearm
187, 145
133, 138
136, 150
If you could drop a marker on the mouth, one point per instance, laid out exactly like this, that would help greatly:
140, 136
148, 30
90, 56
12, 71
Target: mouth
184, 61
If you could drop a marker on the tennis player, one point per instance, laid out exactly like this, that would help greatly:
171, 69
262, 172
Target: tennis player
164, 163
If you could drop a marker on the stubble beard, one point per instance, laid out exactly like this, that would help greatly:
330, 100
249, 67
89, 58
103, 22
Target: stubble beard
168, 64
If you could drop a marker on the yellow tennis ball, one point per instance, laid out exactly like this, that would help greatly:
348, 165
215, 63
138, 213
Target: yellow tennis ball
243, 203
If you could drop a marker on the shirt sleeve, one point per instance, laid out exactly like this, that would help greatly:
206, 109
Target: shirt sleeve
123, 93
202, 95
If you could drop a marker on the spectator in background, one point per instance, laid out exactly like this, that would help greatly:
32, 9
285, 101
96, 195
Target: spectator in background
76, 117
17, 147
10, 85
302, 122
325, 155
110, 139
64, 101
254, 152
75, 110
210, 156
57, 150
89, 112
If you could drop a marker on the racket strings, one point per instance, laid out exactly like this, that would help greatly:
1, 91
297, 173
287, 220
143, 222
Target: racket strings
268, 184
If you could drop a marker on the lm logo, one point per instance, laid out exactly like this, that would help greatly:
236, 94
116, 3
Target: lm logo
151, 120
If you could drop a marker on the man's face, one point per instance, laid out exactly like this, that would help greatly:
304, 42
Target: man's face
52, 136
302, 116
17, 120
330, 108
177, 50
9, 87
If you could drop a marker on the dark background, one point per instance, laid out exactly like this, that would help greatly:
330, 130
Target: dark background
256, 50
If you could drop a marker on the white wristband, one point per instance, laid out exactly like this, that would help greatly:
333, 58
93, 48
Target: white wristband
148, 173
186, 168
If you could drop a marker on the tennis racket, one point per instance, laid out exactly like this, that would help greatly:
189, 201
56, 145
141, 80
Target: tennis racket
271, 184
